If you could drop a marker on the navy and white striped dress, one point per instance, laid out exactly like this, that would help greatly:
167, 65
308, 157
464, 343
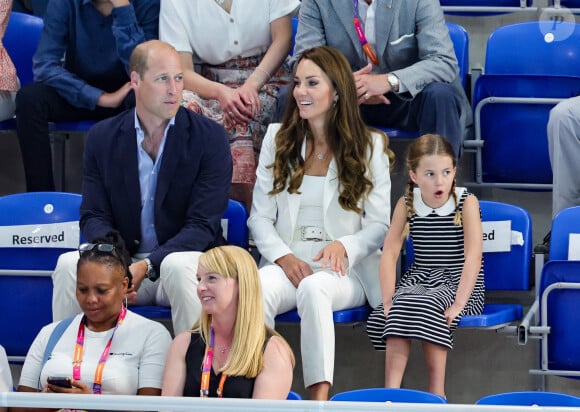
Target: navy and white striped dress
429, 286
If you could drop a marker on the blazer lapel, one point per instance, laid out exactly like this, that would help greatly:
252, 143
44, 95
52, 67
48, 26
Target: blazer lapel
174, 147
345, 11
127, 161
294, 200
330, 187
383, 23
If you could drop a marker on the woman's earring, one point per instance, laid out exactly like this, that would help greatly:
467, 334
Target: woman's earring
334, 103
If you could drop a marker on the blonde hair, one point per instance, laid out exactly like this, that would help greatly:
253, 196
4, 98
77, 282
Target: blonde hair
427, 145
250, 332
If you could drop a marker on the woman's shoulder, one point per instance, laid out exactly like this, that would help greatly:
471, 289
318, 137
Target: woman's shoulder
278, 347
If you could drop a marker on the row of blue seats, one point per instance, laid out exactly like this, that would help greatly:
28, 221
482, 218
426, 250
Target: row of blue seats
525, 398
25, 268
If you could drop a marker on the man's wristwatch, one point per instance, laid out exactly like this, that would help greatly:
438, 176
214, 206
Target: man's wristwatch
151, 273
394, 82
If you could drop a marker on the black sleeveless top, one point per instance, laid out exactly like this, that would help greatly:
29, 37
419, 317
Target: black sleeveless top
234, 386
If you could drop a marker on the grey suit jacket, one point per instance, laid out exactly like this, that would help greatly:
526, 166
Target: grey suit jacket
412, 39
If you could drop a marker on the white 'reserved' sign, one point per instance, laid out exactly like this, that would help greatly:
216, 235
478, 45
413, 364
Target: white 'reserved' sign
58, 235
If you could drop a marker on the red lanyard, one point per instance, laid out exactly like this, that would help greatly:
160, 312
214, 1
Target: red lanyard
206, 369
362, 38
78, 356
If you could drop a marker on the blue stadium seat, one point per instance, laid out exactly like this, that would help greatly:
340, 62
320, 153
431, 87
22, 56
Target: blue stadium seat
293, 396
357, 314
507, 270
388, 395
556, 303
35, 228
530, 398
236, 233
485, 7
529, 67
558, 297
565, 223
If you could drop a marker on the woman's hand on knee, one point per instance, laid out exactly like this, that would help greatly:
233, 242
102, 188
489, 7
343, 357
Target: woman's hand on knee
333, 256
294, 268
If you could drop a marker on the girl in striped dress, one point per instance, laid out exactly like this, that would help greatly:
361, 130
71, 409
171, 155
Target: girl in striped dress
445, 281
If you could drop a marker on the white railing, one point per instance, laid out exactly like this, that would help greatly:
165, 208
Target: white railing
158, 403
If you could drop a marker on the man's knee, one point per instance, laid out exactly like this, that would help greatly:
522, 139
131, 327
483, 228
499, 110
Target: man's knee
29, 99
183, 263
442, 95
563, 111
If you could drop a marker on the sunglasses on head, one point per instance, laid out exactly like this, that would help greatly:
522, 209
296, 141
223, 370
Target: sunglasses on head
99, 247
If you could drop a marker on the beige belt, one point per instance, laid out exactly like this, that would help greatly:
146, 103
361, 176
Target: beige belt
311, 233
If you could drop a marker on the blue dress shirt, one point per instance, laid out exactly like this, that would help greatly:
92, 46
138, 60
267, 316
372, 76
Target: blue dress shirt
82, 53
148, 174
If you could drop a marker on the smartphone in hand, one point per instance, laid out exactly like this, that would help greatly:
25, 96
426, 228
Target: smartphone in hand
61, 381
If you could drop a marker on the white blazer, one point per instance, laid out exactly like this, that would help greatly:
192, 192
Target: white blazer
273, 218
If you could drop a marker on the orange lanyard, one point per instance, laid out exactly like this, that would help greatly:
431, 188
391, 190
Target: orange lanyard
362, 38
78, 355
206, 370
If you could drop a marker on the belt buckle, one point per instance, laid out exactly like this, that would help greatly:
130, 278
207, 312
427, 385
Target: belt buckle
312, 235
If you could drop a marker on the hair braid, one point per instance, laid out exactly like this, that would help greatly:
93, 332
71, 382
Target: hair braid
457, 220
409, 199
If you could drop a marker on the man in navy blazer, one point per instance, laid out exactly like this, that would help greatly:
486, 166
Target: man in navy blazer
160, 175
413, 83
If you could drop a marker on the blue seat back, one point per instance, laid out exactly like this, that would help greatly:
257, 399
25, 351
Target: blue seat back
295, 22
530, 398
503, 270
460, 40
506, 127
388, 395
234, 221
25, 271
534, 48
565, 223
523, 60
21, 39
563, 314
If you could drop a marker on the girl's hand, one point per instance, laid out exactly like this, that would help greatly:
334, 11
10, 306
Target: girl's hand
234, 108
387, 307
295, 269
333, 255
452, 312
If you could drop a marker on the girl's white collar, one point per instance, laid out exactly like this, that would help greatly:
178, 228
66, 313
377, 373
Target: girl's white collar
423, 210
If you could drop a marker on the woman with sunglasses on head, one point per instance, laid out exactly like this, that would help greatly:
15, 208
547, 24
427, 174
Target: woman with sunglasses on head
105, 349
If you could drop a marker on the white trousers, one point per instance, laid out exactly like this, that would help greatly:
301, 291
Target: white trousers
564, 147
176, 287
316, 297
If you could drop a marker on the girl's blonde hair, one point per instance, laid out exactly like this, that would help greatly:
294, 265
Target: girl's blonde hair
250, 332
427, 145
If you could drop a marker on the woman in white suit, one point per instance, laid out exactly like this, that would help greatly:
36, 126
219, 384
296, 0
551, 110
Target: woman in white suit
321, 208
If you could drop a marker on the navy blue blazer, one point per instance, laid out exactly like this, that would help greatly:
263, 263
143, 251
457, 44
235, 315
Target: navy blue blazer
192, 192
